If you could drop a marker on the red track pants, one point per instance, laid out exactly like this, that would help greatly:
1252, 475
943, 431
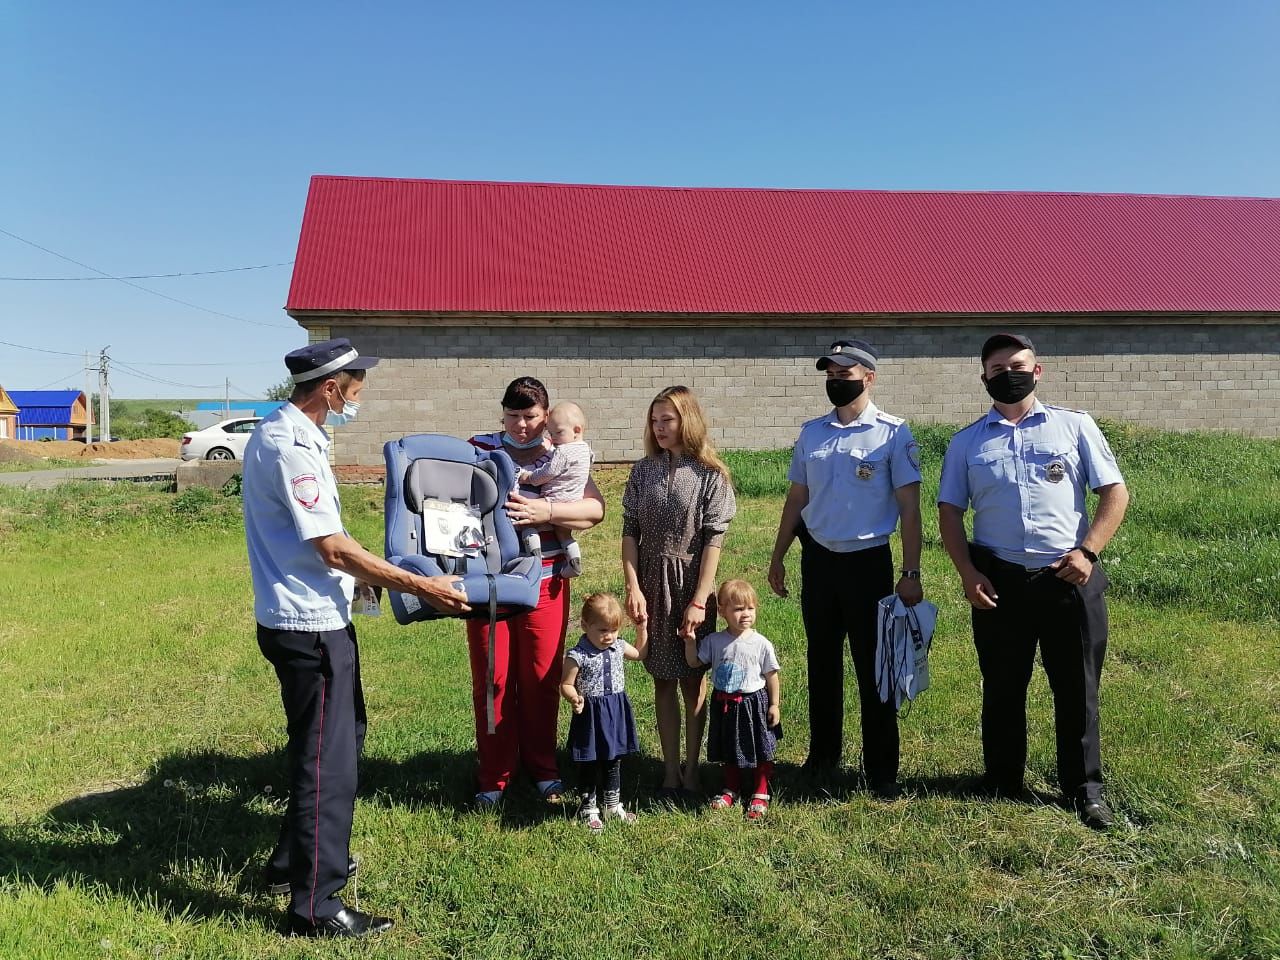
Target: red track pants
529, 656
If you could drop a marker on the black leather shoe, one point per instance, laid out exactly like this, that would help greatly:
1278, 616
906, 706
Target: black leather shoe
1096, 814
277, 881
886, 790
345, 923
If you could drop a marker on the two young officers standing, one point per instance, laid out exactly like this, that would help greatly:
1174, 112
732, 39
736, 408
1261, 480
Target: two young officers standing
1031, 572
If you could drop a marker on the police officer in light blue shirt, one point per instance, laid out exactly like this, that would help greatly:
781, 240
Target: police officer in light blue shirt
305, 568
855, 473
1031, 573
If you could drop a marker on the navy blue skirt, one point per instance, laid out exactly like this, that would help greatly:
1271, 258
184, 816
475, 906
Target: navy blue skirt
740, 732
604, 730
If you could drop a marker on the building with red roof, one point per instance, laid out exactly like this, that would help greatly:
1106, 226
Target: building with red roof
1159, 309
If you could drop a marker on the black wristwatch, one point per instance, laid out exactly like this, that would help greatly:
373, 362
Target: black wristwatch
1093, 557
911, 574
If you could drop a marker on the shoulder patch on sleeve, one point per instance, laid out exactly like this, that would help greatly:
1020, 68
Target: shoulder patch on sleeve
889, 418
913, 454
306, 489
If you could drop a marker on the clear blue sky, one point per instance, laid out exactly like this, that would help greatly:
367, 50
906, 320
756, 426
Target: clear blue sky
162, 137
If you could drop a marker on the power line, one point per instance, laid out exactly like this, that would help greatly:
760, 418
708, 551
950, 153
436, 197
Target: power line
131, 371
149, 363
20, 346
54, 383
136, 286
162, 276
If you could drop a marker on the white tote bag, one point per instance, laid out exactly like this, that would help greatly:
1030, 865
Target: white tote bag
903, 637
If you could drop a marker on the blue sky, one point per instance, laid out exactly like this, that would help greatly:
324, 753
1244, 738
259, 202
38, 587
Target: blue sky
147, 138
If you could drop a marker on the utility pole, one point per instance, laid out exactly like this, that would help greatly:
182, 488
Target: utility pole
104, 392
88, 396
226, 399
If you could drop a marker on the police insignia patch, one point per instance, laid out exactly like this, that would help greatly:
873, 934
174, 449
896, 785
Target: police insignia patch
306, 490
865, 470
1055, 471
913, 454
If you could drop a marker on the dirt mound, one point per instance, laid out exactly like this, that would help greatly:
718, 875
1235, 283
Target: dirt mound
74, 450
11, 454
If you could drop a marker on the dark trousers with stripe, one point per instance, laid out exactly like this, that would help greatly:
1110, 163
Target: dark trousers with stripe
319, 675
838, 597
1070, 625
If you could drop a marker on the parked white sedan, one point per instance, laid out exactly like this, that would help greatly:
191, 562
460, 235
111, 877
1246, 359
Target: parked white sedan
222, 441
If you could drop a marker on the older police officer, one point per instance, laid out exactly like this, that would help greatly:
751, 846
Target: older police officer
305, 568
854, 472
1031, 573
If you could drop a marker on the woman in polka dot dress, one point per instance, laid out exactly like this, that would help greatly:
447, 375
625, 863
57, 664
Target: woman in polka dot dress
675, 511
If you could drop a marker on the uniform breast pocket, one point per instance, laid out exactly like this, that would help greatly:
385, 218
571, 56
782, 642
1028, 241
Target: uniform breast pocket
1053, 462
990, 465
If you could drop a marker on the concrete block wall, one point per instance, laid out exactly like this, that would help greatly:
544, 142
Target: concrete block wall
758, 383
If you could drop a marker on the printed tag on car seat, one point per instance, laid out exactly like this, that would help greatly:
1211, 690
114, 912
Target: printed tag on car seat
451, 529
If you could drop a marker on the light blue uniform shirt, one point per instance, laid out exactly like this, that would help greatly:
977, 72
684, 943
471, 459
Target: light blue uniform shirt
291, 497
1027, 482
851, 470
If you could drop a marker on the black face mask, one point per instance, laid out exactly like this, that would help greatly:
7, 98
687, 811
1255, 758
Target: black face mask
843, 392
1011, 385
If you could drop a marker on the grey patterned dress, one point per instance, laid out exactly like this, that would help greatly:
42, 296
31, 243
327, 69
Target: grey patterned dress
673, 511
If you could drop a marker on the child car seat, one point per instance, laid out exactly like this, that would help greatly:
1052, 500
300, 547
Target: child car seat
444, 516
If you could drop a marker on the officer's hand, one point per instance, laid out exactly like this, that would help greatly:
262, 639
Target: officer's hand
1074, 568
979, 591
440, 593
693, 618
778, 577
910, 591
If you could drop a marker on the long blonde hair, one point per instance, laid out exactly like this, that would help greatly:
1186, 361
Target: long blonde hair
693, 428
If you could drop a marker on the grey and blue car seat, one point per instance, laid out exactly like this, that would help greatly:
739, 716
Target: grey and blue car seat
500, 569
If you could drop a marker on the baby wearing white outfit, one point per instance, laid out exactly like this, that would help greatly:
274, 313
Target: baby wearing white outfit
562, 478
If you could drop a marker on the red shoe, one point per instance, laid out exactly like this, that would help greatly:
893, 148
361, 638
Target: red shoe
759, 806
724, 800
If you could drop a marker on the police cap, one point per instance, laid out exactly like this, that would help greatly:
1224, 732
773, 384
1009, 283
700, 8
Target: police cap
325, 359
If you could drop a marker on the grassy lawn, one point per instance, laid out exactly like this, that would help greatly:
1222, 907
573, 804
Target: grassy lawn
141, 784
40, 463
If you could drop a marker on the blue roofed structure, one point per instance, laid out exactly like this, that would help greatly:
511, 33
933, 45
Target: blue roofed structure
50, 414
240, 408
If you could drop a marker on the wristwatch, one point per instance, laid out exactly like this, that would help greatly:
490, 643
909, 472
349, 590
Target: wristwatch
911, 574
1092, 557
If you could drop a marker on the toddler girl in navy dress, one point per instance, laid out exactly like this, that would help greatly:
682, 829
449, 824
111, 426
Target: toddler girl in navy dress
603, 728
746, 701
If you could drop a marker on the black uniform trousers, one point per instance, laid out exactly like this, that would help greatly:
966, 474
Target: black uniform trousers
319, 676
1070, 625
838, 597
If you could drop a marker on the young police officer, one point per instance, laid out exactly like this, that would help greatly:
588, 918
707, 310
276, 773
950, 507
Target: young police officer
854, 471
1031, 572
305, 568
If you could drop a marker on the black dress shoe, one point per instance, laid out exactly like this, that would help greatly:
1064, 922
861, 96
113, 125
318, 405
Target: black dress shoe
277, 881
345, 923
1096, 814
886, 790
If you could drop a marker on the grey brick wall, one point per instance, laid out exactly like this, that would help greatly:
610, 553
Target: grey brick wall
758, 383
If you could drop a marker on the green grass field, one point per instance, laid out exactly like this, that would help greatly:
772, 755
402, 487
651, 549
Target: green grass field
141, 784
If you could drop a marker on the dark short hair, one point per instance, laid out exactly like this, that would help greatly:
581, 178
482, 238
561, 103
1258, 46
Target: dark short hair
525, 392
308, 387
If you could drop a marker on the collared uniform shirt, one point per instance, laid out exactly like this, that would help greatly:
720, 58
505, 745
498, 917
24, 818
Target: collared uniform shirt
1027, 481
851, 471
290, 498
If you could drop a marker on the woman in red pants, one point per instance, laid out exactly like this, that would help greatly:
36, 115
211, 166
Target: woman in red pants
529, 647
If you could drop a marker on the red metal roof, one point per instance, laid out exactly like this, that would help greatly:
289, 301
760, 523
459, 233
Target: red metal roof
438, 246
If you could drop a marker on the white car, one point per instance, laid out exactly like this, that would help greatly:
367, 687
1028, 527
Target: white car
222, 441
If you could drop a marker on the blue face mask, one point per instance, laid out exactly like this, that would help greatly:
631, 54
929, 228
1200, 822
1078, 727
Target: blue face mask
349, 410
511, 441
